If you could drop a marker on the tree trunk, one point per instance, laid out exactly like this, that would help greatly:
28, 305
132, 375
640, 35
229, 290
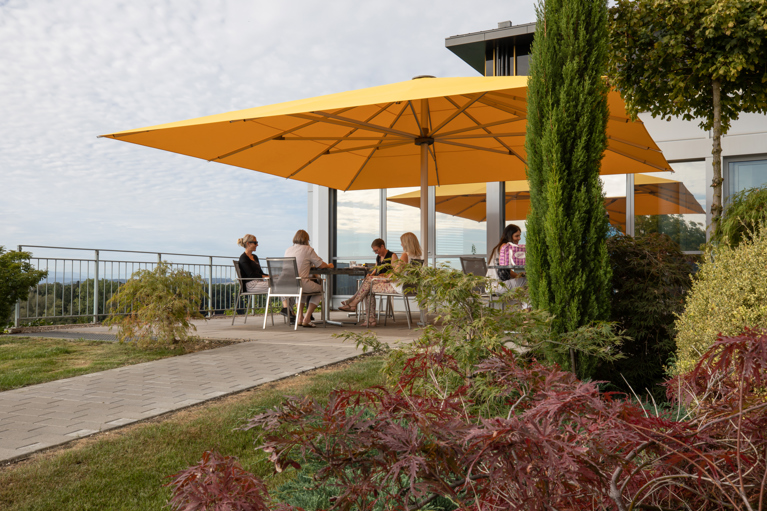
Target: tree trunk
716, 184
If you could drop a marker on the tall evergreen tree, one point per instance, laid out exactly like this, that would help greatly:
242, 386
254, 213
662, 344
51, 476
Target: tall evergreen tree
567, 113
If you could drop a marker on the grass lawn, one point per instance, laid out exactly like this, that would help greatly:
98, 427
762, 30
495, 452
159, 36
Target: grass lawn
125, 469
30, 360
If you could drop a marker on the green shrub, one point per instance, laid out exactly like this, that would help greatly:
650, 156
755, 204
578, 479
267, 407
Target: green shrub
650, 278
743, 213
16, 277
728, 293
159, 303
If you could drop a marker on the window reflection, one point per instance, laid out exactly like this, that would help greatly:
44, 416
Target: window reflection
358, 222
743, 175
673, 204
401, 219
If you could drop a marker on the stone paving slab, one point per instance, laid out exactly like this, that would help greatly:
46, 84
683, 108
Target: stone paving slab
40, 416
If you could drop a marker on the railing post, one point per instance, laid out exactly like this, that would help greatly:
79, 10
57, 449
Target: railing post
210, 286
96, 289
17, 313
159, 258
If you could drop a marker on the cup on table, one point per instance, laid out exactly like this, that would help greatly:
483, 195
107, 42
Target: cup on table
352, 264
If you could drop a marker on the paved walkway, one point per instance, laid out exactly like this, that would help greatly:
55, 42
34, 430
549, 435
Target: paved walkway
40, 416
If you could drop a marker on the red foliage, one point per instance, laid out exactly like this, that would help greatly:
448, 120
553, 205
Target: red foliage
558, 444
218, 483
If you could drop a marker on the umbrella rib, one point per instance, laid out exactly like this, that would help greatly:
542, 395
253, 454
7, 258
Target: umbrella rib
506, 153
503, 107
433, 153
373, 151
482, 126
343, 139
508, 96
415, 116
486, 135
379, 145
334, 144
637, 159
361, 124
511, 151
648, 148
250, 146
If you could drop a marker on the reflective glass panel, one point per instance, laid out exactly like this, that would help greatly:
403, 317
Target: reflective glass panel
673, 204
400, 219
358, 222
460, 236
743, 175
614, 188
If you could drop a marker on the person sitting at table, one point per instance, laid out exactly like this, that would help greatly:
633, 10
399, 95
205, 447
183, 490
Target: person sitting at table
378, 283
511, 236
250, 268
306, 258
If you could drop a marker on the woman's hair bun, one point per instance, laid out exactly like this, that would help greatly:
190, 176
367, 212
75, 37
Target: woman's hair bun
240, 242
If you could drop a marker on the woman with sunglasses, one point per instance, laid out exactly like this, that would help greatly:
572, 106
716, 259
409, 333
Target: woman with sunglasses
250, 268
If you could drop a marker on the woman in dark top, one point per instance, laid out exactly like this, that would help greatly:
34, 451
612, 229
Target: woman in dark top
384, 260
250, 268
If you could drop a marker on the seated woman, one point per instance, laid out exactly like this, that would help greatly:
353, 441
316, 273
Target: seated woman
250, 268
381, 284
306, 258
511, 236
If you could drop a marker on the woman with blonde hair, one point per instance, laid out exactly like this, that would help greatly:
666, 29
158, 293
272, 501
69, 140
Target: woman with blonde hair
250, 268
381, 284
306, 258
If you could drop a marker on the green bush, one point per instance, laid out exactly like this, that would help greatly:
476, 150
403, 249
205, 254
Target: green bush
743, 213
728, 293
650, 278
16, 277
159, 305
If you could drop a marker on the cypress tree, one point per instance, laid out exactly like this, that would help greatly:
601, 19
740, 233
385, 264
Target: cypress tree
567, 262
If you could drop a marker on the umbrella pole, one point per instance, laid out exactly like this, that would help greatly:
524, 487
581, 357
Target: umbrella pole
425, 202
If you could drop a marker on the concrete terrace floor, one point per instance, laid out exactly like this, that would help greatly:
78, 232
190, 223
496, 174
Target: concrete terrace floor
40, 416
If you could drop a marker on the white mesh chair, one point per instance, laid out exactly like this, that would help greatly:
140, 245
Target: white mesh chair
244, 292
407, 293
284, 282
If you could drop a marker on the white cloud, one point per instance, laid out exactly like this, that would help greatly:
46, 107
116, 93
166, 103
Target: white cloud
73, 70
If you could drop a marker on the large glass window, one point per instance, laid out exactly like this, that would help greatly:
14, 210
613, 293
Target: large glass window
458, 236
614, 188
358, 222
401, 219
673, 204
742, 175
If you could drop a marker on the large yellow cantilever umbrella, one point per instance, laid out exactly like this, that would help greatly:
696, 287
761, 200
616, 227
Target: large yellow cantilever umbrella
428, 131
653, 195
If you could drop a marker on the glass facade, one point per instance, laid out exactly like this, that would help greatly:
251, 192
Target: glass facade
614, 188
742, 175
673, 204
358, 223
401, 219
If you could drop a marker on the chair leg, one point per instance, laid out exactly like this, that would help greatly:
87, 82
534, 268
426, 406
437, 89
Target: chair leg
234, 309
266, 310
407, 311
248, 308
298, 307
390, 306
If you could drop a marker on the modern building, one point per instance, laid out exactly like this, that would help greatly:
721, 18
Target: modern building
342, 224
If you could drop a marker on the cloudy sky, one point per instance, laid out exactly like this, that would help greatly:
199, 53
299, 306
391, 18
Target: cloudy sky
75, 69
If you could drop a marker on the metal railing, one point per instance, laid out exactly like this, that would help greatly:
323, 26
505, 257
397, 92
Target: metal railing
78, 289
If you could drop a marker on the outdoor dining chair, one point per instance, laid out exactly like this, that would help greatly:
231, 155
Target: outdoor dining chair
477, 266
407, 293
284, 282
244, 292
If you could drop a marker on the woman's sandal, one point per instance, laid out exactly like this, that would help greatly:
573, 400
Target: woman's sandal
308, 325
347, 308
367, 324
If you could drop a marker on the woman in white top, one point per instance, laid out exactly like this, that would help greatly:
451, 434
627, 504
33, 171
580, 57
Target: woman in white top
306, 258
511, 235
379, 284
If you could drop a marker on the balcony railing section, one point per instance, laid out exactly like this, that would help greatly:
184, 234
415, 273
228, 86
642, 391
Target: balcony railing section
77, 289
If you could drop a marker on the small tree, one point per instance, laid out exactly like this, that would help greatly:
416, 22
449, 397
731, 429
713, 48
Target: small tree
155, 307
17, 275
568, 267
745, 211
698, 59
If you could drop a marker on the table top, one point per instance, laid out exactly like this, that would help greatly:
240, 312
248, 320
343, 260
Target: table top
339, 271
514, 268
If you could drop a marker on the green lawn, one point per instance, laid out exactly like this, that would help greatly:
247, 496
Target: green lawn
126, 469
30, 360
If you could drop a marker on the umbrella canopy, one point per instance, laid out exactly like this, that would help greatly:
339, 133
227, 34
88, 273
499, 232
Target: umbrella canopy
428, 131
652, 196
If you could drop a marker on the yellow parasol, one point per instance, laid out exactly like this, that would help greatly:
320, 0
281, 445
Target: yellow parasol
428, 131
652, 196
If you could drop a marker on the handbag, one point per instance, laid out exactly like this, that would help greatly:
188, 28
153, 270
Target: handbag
504, 274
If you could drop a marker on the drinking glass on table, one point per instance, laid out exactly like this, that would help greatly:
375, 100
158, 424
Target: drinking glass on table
352, 264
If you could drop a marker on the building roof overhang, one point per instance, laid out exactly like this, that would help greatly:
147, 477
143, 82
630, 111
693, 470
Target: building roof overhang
471, 47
